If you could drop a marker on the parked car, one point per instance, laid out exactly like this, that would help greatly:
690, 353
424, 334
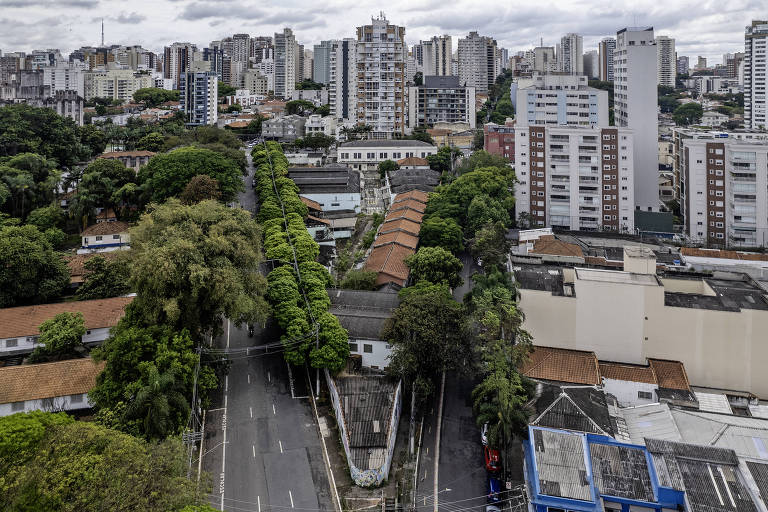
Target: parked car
491, 459
494, 490
484, 434
253, 183
492, 508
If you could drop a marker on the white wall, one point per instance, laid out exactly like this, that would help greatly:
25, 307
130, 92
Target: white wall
337, 201
379, 355
61, 403
26, 344
626, 392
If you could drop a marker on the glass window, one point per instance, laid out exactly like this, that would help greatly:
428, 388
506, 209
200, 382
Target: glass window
353, 347
368, 349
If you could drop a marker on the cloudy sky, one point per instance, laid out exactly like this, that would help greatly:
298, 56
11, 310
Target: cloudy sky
700, 27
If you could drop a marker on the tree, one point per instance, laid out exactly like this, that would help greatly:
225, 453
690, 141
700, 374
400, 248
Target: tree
31, 272
418, 78
193, 265
167, 174
300, 107
386, 166
439, 232
28, 181
225, 90
104, 278
428, 333
200, 188
100, 181
483, 210
436, 265
46, 217
80, 466
420, 133
443, 160
151, 142
478, 141
308, 85
61, 337
159, 404
490, 244
360, 280
154, 96
690, 113
27, 129
93, 138
235, 107
323, 110
480, 159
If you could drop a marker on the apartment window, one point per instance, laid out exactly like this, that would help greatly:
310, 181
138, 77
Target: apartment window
11, 343
98, 238
353, 347
719, 235
17, 406
77, 399
606, 217
607, 207
367, 348
606, 187
606, 197
645, 395
115, 237
718, 224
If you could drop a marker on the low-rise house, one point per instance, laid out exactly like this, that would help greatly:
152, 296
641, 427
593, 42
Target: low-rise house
319, 124
20, 326
363, 314
713, 119
306, 158
131, 159
285, 128
76, 265
105, 237
318, 97
334, 188
365, 155
50, 387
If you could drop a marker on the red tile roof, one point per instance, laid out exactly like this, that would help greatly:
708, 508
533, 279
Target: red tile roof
118, 154
563, 365
413, 161
312, 205
397, 237
26, 320
412, 194
388, 261
48, 380
76, 263
408, 203
317, 219
106, 228
720, 253
404, 213
406, 225
556, 248
670, 374
628, 372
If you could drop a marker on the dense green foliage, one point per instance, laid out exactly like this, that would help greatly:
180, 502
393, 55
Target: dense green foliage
200, 188
27, 129
167, 174
299, 300
105, 183
308, 84
436, 265
689, 113
360, 280
439, 232
60, 338
153, 96
31, 272
27, 181
442, 161
51, 462
300, 107
105, 278
386, 166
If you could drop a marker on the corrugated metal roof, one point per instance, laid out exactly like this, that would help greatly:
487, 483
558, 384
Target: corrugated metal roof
652, 420
759, 474
713, 402
748, 437
621, 471
561, 464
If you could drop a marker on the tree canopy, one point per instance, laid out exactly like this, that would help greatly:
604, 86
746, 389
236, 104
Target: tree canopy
300, 107
105, 278
167, 174
27, 181
200, 188
360, 280
689, 113
153, 96
193, 265
60, 338
31, 272
436, 265
55, 463
439, 232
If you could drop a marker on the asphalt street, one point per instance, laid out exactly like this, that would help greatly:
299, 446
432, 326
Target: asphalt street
261, 445
470, 267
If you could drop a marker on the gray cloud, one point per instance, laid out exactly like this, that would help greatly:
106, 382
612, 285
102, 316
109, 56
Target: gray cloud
84, 4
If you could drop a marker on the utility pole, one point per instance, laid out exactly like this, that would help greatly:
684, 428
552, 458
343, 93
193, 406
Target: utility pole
102, 32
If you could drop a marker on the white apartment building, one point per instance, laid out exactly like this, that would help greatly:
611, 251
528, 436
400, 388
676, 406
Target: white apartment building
635, 107
177, 59
558, 99
65, 76
544, 59
381, 77
267, 68
256, 82
666, 61
605, 49
117, 84
724, 191
570, 53
574, 177
433, 57
477, 63
342, 88
286, 55
755, 53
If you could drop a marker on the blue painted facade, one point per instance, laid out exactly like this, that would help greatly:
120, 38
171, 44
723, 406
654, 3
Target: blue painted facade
665, 498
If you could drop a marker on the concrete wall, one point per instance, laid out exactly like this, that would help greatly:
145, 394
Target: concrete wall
629, 323
26, 344
626, 392
337, 201
377, 358
62, 403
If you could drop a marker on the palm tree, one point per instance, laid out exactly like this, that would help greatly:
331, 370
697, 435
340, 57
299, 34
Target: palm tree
160, 404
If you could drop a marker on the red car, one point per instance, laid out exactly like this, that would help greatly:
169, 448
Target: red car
491, 459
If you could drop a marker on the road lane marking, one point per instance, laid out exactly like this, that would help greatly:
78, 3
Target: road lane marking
290, 495
269, 377
249, 378
254, 450
427, 450
281, 445
226, 384
227, 332
250, 409
258, 502
273, 409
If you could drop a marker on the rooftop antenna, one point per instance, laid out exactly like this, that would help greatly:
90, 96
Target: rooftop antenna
102, 32
541, 42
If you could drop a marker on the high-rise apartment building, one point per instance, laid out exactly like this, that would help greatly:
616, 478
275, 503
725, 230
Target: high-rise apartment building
286, 57
116, 84
477, 62
575, 177
592, 64
701, 63
321, 64
724, 190
558, 99
440, 99
65, 76
433, 56
544, 59
755, 53
666, 66
635, 106
308, 65
381, 77
683, 65
198, 98
606, 48
241, 47
732, 63
570, 53
342, 87
177, 59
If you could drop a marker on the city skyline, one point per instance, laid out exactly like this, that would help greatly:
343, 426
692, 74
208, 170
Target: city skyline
709, 29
